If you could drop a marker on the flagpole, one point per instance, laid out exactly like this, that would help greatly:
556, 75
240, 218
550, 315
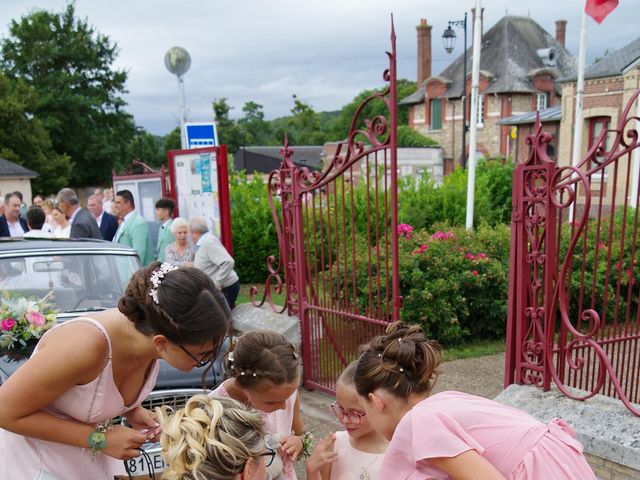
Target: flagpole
577, 122
473, 128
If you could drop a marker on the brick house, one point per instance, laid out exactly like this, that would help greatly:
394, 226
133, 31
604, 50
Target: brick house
608, 86
520, 68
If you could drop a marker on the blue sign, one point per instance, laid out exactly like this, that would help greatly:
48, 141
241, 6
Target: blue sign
200, 135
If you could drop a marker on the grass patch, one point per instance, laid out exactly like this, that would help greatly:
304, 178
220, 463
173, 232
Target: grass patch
243, 296
474, 349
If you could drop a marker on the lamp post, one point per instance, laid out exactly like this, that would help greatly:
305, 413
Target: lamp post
139, 132
449, 42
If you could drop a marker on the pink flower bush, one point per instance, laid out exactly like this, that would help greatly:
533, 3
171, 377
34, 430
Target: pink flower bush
423, 248
7, 324
442, 235
36, 319
405, 230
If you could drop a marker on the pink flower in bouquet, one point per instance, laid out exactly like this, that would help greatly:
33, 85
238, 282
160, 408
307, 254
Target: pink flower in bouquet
7, 324
36, 319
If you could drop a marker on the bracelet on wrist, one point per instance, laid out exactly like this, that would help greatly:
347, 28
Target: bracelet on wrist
97, 439
307, 443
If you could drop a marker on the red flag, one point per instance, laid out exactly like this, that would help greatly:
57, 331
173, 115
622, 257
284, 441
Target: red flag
599, 9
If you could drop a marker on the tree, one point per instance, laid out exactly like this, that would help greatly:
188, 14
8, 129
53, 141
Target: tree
78, 101
25, 141
304, 125
229, 132
256, 130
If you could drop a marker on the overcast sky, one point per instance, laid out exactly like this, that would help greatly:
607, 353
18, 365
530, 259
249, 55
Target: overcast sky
267, 50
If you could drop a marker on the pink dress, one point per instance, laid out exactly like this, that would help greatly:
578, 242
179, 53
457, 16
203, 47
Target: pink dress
279, 422
450, 423
352, 463
23, 458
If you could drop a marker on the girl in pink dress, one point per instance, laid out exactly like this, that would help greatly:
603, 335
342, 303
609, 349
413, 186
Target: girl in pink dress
87, 371
454, 435
263, 366
354, 453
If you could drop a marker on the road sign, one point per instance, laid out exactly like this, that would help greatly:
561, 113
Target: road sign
199, 135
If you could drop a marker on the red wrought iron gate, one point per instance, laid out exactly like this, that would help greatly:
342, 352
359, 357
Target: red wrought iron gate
338, 247
574, 290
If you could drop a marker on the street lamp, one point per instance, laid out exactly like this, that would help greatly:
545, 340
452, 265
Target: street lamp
449, 42
139, 132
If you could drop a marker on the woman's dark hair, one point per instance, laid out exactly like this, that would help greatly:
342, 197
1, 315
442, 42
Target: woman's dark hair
190, 309
403, 362
262, 355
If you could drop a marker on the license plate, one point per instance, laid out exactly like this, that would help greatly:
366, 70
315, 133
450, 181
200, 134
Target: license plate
138, 467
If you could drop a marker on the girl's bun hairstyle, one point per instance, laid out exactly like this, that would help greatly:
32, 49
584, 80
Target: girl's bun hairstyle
190, 309
259, 355
403, 362
211, 438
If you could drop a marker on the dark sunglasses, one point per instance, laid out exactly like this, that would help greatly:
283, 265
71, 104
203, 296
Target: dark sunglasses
352, 415
206, 359
271, 453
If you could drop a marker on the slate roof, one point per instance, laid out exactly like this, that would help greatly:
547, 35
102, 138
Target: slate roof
10, 169
267, 159
551, 114
509, 55
613, 64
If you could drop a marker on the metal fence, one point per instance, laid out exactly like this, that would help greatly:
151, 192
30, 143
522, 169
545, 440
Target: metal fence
574, 310
338, 246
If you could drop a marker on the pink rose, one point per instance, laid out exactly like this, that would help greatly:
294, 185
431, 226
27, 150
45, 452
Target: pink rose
7, 324
36, 319
475, 272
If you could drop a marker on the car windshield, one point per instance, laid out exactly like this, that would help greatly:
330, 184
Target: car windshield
73, 282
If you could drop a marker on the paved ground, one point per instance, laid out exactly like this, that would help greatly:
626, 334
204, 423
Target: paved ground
481, 376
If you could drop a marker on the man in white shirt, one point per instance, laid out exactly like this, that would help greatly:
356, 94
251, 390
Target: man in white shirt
214, 260
35, 220
11, 223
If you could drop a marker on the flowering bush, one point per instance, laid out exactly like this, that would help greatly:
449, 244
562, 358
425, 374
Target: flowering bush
22, 323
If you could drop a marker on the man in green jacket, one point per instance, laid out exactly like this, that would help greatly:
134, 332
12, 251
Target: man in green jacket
164, 214
133, 230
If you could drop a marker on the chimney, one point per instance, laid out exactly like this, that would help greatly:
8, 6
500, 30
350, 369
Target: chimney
424, 51
473, 22
561, 31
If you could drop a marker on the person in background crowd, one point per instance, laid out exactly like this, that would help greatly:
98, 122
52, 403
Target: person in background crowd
133, 231
47, 206
83, 225
61, 226
11, 224
38, 200
107, 223
164, 214
35, 221
212, 258
227, 436
107, 201
23, 206
180, 252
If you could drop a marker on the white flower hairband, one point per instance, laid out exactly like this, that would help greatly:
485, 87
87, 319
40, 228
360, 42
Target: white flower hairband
156, 279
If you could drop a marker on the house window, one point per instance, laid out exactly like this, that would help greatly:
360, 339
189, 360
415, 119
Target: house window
481, 110
542, 101
596, 126
436, 114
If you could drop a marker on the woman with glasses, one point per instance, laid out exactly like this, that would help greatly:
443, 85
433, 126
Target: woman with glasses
214, 438
452, 435
55, 410
352, 454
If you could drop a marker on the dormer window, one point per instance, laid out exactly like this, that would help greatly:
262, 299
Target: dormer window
542, 101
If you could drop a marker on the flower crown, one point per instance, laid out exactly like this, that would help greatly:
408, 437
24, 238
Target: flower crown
156, 279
